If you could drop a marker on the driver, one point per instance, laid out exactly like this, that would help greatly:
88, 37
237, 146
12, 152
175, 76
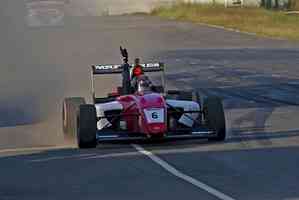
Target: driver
139, 81
137, 71
144, 84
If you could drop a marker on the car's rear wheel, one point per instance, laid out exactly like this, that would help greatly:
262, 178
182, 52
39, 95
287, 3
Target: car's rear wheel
158, 88
214, 117
87, 126
69, 115
183, 95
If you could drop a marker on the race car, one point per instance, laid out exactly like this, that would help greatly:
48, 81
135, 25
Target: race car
141, 110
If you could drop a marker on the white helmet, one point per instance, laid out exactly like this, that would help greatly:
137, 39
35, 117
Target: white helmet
143, 84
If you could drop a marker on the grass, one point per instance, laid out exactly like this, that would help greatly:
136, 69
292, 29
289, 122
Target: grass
256, 20
294, 5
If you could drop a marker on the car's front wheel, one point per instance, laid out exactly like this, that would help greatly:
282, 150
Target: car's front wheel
87, 126
214, 117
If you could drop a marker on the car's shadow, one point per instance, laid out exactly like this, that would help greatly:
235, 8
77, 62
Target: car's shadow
125, 148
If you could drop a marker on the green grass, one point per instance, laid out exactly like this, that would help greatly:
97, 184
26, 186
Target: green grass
294, 5
256, 20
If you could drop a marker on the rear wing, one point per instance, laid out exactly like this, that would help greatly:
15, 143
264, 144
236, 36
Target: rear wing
117, 69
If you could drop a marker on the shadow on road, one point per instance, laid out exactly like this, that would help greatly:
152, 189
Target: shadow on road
250, 134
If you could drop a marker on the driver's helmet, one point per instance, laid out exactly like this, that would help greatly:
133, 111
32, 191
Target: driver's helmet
143, 84
137, 69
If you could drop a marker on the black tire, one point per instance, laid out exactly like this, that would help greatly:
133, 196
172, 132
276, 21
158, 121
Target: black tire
87, 126
214, 117
158, 88
70, 109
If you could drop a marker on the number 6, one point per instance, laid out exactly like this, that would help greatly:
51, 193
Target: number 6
155, 115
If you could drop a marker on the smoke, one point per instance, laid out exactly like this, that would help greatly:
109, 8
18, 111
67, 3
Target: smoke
28, 85
113, 7
33, 61
29, 80
39, 66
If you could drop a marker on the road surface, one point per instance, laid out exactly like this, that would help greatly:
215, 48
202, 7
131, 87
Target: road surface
43, 61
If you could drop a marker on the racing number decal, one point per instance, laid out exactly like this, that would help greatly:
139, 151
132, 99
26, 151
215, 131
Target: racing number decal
154, 115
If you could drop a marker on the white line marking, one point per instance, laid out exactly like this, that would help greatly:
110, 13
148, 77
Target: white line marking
111, 155
227, 29
86, 156
181, 175
61, 158
35, 149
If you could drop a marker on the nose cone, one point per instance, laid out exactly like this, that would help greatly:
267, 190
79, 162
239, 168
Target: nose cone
154, 108
152, 100
157, 129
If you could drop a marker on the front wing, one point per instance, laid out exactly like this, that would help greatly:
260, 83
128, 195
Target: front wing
114, 136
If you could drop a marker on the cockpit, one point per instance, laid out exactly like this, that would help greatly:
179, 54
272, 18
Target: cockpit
143, 84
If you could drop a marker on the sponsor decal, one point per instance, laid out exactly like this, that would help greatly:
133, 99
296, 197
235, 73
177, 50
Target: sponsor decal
107, 67
114, 67
150, 65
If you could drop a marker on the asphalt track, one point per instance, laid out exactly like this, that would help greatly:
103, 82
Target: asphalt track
258, 78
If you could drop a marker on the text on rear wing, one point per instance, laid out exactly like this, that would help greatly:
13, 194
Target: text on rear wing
110, 69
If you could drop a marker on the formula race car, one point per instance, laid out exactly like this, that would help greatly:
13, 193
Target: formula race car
141, 110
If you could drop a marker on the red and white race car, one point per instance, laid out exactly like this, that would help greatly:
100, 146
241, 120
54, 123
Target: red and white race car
140, 110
